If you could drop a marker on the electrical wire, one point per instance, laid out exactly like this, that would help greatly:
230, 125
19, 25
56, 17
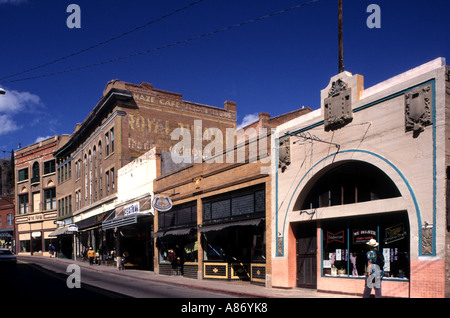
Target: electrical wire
105, 41
117, 59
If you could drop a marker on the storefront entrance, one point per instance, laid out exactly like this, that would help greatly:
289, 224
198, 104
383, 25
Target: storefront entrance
65, 246
306, 248
134, 243
350, 206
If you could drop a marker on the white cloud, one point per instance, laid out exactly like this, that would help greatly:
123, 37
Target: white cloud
7, 125
39, 139
248, 119
14, 103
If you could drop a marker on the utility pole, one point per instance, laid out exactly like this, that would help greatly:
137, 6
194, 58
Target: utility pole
340, 36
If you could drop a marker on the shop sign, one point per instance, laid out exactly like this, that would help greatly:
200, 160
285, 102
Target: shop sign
36, 234
335, 237
162, 203
131, 209
72, 228
395, 233
31, 218
363, 236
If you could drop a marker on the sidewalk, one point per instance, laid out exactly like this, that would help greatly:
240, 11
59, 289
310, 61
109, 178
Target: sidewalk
239, 288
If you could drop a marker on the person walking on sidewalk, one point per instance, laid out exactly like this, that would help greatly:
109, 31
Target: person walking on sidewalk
51, 250
91, 255
374, 273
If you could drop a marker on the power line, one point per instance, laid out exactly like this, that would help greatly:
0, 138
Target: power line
167, 45
105, 41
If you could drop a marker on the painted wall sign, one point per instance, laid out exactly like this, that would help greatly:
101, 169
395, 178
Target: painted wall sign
130, 209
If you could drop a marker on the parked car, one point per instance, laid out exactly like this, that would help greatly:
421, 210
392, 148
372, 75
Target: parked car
7, 257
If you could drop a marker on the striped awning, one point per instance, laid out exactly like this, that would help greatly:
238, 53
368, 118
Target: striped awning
124, 220
184, 231
221, 226
61, 231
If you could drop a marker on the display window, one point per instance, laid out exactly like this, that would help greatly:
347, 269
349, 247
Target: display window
344, 245
177, 251
242, 243
24, 246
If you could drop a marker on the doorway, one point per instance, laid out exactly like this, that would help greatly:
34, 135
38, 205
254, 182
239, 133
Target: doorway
306, 249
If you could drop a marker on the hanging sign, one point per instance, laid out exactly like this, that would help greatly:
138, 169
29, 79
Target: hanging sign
72, 228
335, 237
363, 236
395, 233
162, 203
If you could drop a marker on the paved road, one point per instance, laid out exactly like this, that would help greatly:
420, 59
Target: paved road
42, 278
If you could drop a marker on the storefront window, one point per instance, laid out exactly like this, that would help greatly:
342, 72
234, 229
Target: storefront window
236, 205
215, 246
179, 216
344, 245
24, 246
178, 251
178, 248
335, 249
190, 252
236, 243
166, 255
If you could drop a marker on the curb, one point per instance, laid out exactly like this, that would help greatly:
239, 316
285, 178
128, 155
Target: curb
124, 273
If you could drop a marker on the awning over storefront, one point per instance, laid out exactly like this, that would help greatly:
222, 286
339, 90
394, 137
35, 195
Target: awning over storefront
93, 221
124, 220
6, 233
184, 231
65, 230
221, 226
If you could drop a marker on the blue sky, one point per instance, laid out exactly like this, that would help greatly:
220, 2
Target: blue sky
273, 65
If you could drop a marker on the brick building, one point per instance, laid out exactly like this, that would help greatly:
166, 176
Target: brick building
220, 224
370, 163
6, 222
35, 196
6, 176
127, 122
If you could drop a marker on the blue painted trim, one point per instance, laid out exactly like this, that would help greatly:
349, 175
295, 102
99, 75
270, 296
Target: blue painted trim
411, 192
277, 143
433, 114
321, 250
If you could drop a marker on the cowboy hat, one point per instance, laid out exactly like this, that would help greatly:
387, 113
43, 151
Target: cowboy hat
372, 243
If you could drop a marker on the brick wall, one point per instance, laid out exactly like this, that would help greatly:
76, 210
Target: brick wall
426, 278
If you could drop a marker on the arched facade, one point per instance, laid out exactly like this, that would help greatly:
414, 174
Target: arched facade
358, 171
349, 224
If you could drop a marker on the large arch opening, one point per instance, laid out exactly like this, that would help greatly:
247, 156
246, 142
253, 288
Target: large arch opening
343, 236
346, 183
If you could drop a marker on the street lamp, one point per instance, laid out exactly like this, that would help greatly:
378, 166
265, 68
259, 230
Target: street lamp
2, 91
